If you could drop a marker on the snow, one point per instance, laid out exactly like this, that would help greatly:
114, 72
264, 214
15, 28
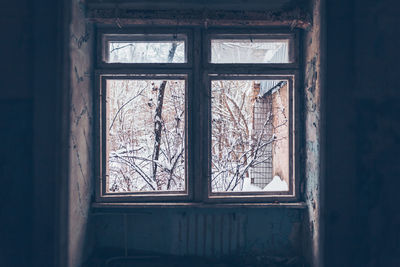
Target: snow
249, 51
131, 138
239, 147
242, 135
270, 86
247, 186
145, 52
276, 185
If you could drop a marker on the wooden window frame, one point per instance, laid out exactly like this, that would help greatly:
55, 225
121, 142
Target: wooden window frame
198, 72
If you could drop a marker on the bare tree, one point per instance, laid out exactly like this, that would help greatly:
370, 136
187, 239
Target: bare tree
237, 146
132, 136
157, 117
146, 141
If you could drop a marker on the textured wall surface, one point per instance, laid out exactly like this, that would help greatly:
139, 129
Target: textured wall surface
199, 4
274, 232
312, 133
81, 134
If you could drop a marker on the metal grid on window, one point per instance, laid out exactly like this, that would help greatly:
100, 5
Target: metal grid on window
261, 173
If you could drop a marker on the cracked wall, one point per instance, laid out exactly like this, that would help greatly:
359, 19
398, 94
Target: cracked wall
81, 134
289, 13
312, 136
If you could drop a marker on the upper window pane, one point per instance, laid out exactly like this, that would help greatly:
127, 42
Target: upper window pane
250, 51
145, 48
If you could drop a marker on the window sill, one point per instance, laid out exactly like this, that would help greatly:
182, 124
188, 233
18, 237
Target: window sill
116, 207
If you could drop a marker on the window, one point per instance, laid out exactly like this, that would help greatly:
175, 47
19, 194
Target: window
196, 115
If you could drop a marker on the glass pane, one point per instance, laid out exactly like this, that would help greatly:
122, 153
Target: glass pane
250, 144
146, 49
249, 51
146, 135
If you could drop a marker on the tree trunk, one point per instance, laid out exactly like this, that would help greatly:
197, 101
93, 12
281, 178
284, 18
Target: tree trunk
157, 119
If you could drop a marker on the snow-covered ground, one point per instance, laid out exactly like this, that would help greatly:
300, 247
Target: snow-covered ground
275, 185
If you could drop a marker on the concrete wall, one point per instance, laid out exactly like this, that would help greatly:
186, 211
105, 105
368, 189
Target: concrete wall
236, 233
311, 141
196, 4
81, 160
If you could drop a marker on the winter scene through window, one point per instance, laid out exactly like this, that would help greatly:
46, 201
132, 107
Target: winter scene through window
146, 49
250, 135
145, 135
193, 115
249, 51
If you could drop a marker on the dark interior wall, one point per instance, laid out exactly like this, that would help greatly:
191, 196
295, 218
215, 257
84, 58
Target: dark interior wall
28, 89
46, 80
46, 63
362, 134
250, 233
340, 134
16, 130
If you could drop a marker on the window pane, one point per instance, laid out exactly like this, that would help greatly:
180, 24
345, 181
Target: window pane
249, 51
146, 49
145, 135
250, 144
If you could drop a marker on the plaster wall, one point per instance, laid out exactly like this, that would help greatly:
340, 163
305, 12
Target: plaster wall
311, 144
205, 232
81, 134
195, 4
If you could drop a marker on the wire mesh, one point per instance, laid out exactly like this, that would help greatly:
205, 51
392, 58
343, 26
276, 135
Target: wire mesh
261, 173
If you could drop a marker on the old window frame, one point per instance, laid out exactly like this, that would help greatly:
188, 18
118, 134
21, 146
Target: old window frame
199, 72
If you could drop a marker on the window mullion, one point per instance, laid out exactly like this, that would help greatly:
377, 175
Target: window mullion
198, 122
